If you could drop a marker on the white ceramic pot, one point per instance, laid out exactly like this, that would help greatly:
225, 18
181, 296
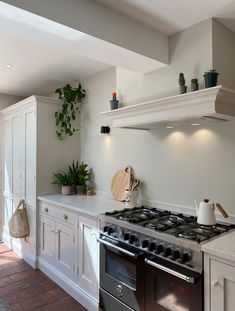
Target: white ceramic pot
66, 190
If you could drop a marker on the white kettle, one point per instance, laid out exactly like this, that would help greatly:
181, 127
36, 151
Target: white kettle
206, 212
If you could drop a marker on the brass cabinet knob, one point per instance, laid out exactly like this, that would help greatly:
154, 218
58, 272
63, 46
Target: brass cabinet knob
65, 216
46, 209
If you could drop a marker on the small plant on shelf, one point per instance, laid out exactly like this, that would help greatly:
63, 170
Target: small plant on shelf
64, 180
183, 87
67, 116
211, 78
194, 85
114, 103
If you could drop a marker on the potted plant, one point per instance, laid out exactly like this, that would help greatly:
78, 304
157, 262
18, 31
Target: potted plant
74, 173
114, 102
183, 87
79, 175
83, 175
66, 117
64, 180
194, 85
211, 78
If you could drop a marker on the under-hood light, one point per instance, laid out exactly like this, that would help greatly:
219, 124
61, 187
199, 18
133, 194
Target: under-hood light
170, 127
196, 124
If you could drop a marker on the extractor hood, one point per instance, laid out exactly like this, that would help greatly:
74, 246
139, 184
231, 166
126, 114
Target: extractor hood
214, 104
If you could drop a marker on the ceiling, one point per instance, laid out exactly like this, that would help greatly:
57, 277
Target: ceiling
172, 16
45, 54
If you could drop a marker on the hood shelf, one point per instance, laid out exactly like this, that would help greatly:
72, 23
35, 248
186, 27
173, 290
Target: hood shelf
214, 104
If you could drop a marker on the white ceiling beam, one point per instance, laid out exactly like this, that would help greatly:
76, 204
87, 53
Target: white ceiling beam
131, 39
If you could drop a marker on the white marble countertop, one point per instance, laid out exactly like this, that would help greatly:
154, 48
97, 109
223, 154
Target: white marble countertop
222, 247
89, 205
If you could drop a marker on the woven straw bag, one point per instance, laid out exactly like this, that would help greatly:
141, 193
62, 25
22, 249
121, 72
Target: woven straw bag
18, 225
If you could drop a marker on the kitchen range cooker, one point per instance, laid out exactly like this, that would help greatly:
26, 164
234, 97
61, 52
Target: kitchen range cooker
151, 260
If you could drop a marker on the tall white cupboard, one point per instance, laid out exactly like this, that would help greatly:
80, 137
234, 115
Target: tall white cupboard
30, 153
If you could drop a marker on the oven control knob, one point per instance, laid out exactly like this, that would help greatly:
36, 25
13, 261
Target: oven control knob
126, 236
152, 246
120, 231
186, 256
110, 230
160, 248
167, 251
105, 229
176, 254
145, 243
133, 238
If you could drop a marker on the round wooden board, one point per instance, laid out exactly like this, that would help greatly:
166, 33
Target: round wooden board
121, 182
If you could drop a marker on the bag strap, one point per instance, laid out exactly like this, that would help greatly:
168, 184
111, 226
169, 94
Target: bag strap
21, 202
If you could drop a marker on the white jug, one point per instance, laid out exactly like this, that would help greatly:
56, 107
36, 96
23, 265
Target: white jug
205, 213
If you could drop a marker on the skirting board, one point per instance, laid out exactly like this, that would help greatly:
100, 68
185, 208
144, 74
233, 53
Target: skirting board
16, 246
69, 286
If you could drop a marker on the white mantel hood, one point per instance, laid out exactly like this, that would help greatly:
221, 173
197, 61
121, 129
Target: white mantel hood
208, 105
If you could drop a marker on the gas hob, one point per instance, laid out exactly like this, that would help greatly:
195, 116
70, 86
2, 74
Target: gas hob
175, 236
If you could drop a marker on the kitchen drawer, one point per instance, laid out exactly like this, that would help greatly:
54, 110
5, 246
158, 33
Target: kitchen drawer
57, 212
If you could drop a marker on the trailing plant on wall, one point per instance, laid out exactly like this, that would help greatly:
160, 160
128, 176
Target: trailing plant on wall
67, 116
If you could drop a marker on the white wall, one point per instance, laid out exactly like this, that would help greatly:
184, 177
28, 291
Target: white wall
174, 167
224, 54
190, 53
7, 100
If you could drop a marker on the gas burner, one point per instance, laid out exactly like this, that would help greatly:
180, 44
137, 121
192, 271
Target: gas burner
189, 235
155, 225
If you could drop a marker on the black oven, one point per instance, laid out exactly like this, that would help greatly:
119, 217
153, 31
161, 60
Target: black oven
121, 276
171, 287
133, 280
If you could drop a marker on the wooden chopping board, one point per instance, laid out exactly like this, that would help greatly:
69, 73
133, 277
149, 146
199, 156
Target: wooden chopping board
120, 182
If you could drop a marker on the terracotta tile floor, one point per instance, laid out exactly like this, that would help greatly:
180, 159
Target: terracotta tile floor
25, 289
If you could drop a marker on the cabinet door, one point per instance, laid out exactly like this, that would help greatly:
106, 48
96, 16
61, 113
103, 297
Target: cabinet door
65, 249
30, 153
222, 286
47, 239
17, 156
6, 172
88, 255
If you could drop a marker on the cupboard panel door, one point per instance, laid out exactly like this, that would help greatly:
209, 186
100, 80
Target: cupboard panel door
65, 253
30, 153
7, 213
47, 239
222, 286
88, 255
7, 157
18, 156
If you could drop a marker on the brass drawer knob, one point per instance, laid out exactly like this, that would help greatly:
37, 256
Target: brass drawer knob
65, 216
46, 209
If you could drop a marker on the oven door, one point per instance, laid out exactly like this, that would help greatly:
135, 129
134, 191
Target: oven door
122, 273
170, 287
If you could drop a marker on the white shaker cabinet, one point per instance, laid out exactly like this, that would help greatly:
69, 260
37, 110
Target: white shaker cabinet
69, 252
219, 273
88, 255
30, 152
57, 242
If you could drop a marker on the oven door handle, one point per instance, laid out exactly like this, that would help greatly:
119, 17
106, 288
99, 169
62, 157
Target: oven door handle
121, 250
186, 278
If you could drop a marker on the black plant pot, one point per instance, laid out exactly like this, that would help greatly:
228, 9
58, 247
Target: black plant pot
114, 104
210, 79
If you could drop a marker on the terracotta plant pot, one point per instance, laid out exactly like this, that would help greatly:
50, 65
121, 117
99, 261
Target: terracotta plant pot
66, 190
